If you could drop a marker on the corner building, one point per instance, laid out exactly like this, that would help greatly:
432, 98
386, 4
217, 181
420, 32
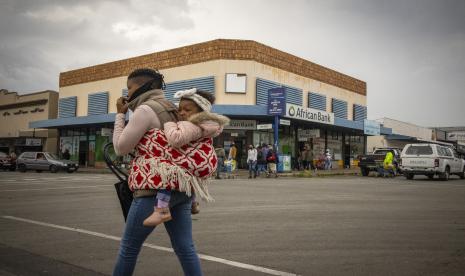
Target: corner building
239, 73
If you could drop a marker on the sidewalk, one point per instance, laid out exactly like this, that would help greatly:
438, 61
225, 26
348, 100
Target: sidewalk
245, 173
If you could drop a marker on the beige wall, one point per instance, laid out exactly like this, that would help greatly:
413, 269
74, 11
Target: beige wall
219, 68
403, 128
12, 125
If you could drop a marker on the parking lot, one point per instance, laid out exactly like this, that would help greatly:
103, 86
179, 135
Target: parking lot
69, 224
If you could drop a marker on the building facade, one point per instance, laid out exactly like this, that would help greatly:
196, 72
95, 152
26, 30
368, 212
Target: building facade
239, 73
17, 111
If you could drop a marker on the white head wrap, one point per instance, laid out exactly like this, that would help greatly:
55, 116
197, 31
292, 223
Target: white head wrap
191, 94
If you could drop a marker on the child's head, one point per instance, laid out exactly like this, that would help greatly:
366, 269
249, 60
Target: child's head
193, 101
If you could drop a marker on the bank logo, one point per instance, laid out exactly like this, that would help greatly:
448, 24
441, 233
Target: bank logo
292, 111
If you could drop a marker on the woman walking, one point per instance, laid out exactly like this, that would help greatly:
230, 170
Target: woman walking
150, 111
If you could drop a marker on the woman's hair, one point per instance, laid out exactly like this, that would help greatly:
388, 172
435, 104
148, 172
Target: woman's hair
143, 75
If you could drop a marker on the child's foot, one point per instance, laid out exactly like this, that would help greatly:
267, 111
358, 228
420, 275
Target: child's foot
159, 216
195, 208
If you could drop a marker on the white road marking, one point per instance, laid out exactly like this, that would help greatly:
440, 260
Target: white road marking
57, 188
161, 248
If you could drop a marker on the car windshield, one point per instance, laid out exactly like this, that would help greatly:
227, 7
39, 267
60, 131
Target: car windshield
51, 156
419, 150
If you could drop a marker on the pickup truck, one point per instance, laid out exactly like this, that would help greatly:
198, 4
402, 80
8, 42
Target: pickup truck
431, 160
371, 162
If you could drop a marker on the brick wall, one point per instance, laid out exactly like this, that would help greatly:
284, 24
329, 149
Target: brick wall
214, 50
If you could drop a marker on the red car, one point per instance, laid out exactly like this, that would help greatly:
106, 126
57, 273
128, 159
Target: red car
6, 162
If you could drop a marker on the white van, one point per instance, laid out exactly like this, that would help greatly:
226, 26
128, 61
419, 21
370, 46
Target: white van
431, 160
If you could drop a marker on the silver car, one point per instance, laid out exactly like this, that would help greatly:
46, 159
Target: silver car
44, 161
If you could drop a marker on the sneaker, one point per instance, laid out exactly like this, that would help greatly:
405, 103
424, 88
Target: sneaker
195, 208
159, 216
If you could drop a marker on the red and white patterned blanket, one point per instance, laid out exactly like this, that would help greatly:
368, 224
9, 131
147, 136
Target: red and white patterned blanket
157, 165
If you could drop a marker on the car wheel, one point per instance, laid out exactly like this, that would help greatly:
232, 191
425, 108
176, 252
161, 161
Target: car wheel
446, 174
409, 176
53, 168
22, 168
365, 171
39, 171
462, 175
12, 168
70, 170
431, 176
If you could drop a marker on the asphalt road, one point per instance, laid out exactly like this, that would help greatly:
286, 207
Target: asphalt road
69, 224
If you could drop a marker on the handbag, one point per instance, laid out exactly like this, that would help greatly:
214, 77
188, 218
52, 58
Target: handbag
123, 192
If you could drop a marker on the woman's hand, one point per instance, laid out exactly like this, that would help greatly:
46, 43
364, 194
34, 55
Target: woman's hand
122, 105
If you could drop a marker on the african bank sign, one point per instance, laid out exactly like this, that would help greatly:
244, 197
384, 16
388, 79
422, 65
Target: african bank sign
309, 114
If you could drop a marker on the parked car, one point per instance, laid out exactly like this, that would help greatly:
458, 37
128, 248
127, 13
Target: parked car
6, 162
44, 161
431, 160
371, 162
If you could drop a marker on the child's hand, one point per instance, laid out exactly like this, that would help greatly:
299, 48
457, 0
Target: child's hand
122, 105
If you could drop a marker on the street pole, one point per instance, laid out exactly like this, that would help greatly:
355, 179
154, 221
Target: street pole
276, 138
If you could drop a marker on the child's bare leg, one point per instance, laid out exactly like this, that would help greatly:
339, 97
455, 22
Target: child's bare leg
195, 208
162, 210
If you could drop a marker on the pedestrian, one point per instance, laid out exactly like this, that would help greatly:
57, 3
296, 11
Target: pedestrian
220, 153
328, 164
232, 155
272, 160
261, 160
197, 122
150, 111
303, 155
252, 161
265, 150
66, 154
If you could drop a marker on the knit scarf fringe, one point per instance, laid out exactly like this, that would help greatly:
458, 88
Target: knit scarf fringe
171, 173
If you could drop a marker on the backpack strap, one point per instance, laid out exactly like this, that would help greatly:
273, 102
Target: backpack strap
165, 110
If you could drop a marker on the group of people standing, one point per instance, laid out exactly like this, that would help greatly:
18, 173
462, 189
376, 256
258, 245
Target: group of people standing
262, 159
306, 159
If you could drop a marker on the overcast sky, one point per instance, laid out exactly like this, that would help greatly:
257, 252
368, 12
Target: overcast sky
410, 53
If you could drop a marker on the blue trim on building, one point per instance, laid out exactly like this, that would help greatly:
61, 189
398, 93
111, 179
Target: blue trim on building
339, 108
206, 84
249, 111
74, 121
400, 137
360, 112
293, 95
316, 101
340, 122
67, 107
97, 103
386, 131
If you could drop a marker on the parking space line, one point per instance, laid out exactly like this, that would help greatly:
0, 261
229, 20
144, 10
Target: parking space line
161, 248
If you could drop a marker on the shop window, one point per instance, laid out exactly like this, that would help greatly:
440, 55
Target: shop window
236, 83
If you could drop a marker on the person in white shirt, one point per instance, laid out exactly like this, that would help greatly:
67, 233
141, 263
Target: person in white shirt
328, 164
252, 161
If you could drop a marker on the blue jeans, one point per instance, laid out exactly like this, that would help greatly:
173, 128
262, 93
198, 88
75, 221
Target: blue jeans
252, 168
179, 229
219, 168
261, 168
